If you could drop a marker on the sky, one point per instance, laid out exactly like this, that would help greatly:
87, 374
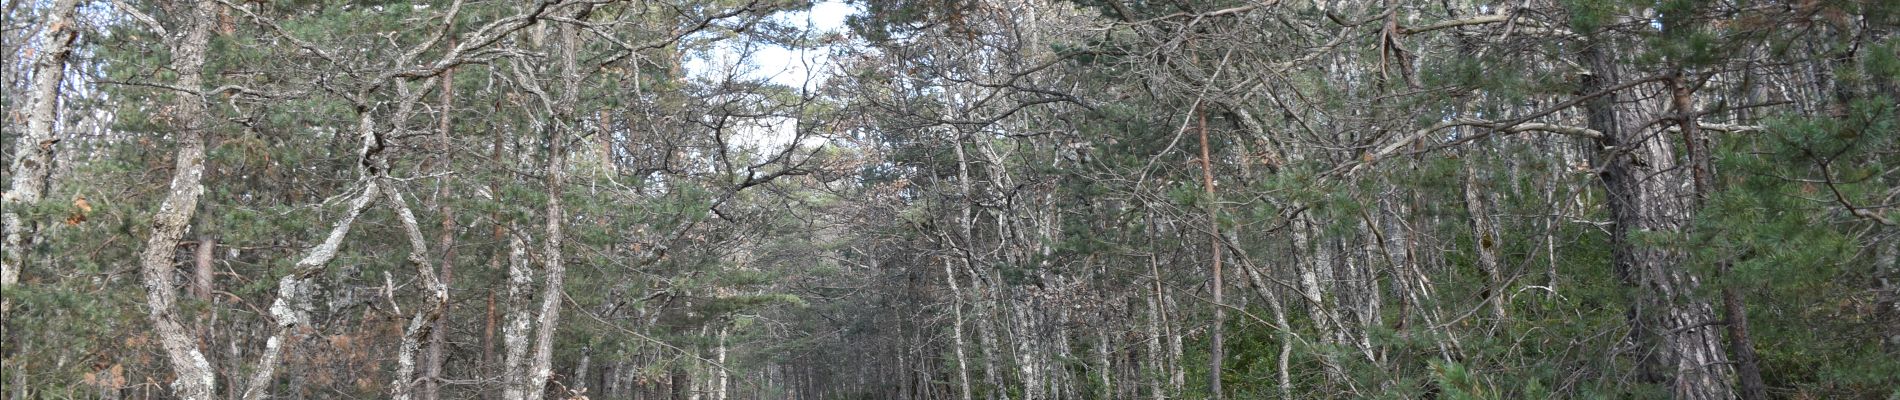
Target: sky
791, 67
783, 64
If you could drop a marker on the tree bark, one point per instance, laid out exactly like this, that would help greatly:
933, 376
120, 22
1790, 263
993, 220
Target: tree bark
514, 334
432, 374
488, 334
203, 272
427, 315
966, 223
720, 375
1747, 365
33, 151
195, 378
1156, 367
1643, 182
956, 330
295, 293
1484, 238
1215, 347
542, 367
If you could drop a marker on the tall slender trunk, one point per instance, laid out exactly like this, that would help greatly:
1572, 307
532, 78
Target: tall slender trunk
1155, 367
1747, 368
1177, 373
988, 340
488, 335
720, 375
956, 330
195, 378
966, 221
500, 233
542, 367
295, 292
432, 374
1216, 349
580, 371
1314, 281
1887, 285
1021, 331
1275, 305
1104, 368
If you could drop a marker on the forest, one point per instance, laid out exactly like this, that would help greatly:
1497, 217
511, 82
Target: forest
950, 199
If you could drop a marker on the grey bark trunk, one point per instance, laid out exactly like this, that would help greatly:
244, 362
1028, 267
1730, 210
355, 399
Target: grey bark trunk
515, 332
1701, 165
1315, 280
1887, 275
986, 332
195, 378
720, 376
33, 151
956, 329
1156, 367
1277, 306
295, 294
1645, 194
426, 315
1484, 240
542, 367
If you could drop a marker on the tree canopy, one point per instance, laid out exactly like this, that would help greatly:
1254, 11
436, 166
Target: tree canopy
950, 199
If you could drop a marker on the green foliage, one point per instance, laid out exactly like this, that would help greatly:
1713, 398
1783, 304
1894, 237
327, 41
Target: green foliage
1084, 198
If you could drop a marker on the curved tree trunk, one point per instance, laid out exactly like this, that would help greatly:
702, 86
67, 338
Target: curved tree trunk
190, 118
424, 322
542, 368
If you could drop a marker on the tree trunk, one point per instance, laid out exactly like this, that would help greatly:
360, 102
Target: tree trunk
580, 372
203, 273
488, 335
427, 315
432, 374
1887, 287
33, 152
1215, 347
1156, 367
986, 333
956, 330
1702, 168
1643, 184
1484, 238
1315, 279
294, 302
195, 378
556, 172
514, 334
1275, 305
720, 376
